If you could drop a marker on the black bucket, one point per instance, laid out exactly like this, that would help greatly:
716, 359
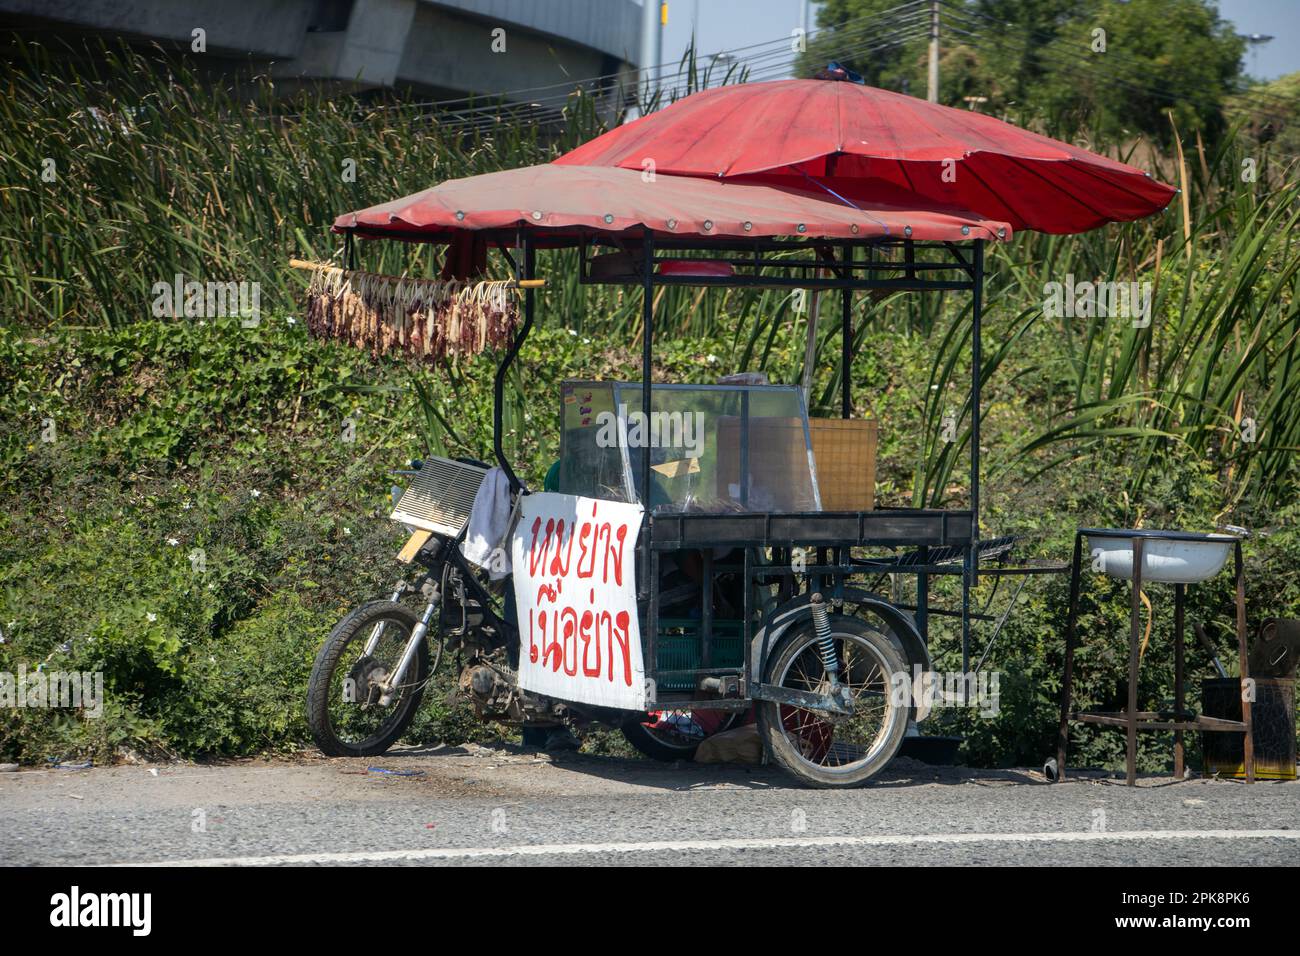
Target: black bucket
1273, 717
939, 751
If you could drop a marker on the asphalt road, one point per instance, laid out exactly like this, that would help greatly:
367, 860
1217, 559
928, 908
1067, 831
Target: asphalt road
475, 806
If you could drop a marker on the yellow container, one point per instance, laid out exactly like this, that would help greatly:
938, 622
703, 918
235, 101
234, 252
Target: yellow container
1273, 718
845, 452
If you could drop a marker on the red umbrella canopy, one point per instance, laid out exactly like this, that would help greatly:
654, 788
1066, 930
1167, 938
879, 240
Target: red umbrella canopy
858, 141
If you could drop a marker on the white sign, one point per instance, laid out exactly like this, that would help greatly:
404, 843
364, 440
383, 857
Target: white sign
575, 589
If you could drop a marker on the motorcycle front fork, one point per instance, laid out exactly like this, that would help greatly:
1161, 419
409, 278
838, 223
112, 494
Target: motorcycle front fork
389, 686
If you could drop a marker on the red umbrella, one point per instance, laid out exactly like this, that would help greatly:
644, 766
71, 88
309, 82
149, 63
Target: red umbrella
856, 140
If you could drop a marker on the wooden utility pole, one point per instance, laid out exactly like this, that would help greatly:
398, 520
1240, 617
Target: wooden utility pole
932, 82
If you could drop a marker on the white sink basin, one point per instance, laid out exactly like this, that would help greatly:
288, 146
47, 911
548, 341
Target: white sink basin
1181, 560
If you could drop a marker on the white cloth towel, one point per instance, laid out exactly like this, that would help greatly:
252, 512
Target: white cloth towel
485, 541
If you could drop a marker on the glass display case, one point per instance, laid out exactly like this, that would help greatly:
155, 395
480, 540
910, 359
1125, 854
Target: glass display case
714, 449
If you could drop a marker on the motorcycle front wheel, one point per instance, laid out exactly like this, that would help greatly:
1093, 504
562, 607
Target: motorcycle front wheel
343, 708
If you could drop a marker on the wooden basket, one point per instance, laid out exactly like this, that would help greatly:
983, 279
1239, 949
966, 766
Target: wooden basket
778, 463
845, 452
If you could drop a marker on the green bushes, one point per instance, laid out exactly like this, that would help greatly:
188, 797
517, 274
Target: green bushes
197, 521
163, 536
181, 510
201, 585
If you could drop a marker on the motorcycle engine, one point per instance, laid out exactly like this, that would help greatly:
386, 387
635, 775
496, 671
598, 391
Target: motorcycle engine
492, 686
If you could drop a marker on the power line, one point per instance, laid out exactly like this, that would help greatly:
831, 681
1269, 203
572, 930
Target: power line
906, 32
497, 113
539, 113
754, 67
491, 114
644, 73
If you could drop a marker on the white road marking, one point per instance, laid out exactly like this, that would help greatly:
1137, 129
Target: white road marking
758, 843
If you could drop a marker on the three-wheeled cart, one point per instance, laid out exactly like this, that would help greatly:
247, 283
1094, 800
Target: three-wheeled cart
750, 594
763, 599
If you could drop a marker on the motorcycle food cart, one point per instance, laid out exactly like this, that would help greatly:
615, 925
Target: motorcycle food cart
673, 587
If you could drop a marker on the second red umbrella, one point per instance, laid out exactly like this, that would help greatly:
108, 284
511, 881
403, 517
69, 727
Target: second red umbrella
860, 143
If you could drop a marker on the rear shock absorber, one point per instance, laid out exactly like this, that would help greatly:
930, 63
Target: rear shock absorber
825, 643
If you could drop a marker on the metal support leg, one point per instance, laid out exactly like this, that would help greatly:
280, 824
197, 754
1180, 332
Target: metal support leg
706, 610
1134, 653
976, 360
970, 577
747, 624
647, 354
923, 597
846, 339
1063, 733
1179, 599
967, 573
647, 359
1247, 686
650, 640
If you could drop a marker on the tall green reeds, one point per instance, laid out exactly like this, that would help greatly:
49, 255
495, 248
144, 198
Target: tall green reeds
127, 169
1212, 374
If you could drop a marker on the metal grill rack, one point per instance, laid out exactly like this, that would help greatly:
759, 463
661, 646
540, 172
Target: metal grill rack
440, 496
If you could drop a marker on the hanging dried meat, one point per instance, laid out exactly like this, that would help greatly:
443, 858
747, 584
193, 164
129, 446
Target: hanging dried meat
427, 319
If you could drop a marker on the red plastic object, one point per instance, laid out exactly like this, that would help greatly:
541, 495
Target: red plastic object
695, 267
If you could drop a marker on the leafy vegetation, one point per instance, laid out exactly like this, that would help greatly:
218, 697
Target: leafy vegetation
1114, 68
198, 560
180, 510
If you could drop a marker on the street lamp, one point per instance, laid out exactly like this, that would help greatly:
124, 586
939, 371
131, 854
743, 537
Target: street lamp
1255, 41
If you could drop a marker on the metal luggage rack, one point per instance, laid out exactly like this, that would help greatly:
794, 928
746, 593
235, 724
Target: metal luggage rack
883, 528
926, 561
771, 263
948, 559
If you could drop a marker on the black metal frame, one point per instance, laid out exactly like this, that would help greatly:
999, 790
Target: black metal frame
1131, 720
846, 265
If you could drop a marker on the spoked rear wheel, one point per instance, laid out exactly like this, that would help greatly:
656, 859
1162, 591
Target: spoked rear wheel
344, 710
822, 749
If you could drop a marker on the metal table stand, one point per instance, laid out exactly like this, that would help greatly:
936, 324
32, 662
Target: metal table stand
1131, 719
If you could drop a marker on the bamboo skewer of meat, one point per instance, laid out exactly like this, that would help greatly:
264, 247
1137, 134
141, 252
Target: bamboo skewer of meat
426, 319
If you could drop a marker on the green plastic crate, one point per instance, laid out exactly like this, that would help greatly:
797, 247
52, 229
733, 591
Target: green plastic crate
679, 648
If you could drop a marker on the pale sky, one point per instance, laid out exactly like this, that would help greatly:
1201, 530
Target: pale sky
732, 24
1277, 18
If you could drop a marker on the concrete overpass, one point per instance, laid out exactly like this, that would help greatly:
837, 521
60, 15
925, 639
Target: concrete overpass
435, 48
